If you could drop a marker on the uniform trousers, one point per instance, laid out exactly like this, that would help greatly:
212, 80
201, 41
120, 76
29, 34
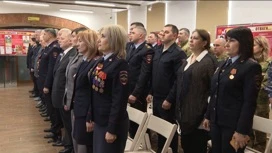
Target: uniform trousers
221, 137
78, 148
141, 105
168, 115
118, 146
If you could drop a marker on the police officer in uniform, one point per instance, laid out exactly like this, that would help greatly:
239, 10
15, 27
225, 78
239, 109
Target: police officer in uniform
129, 45
139, 58
46, 67
166, 62
234, 91
109, 82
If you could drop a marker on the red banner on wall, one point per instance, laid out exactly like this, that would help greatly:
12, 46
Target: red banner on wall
264, 29
14, 42
2, 43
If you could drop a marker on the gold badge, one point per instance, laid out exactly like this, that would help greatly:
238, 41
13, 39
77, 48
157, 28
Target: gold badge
96, 89
101, 90
93, 86
99, 66
232, 73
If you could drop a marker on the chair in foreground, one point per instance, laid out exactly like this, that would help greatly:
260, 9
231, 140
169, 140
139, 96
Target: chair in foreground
139, 118
263, 125
160, 126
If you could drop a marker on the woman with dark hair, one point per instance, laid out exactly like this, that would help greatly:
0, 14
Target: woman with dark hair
234, 90
191, 92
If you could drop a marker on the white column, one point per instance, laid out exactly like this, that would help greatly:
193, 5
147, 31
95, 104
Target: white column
181, 13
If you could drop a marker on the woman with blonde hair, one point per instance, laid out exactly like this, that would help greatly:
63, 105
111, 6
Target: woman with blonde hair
87, 45
109, 81
261, 50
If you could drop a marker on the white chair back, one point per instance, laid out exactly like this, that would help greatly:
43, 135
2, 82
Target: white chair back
160, 126
263, 125
139, 118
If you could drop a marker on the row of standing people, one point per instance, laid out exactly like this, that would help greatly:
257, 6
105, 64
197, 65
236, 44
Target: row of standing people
102, 86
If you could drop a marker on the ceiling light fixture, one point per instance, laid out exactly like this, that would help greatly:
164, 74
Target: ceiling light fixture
95, 3
27, 3
78, 11
150, 8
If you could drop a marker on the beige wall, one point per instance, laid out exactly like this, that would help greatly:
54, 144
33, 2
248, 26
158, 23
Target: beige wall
156, 17
211, 14
122, 19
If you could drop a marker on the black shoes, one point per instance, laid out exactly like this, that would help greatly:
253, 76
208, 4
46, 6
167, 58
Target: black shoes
58, 144
51, 135
47, 130
66, 150
46, 119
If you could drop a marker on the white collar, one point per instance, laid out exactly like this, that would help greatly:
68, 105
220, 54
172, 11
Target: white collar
107, 56
199, 57
137, 45
67, 50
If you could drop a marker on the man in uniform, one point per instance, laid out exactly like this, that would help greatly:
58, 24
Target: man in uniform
59, 87
46, 66
132, 25
166, 62
139, 57
183, 40
219, 49
152, 40
36, 48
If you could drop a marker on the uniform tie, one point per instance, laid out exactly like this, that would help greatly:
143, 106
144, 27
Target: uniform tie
132, 49
228, 63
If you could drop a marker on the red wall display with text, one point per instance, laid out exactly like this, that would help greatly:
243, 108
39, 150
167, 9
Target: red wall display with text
14, 42
264, 29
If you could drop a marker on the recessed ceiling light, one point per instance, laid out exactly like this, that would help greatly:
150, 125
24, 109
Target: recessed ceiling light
27, 3
95, 3
78, 11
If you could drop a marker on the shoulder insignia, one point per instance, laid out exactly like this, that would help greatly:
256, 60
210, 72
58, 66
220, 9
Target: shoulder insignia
253, 60
148, 59
55, 54
147, 46
123, 76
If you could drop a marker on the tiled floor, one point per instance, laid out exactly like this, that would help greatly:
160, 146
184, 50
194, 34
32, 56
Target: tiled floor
21, 126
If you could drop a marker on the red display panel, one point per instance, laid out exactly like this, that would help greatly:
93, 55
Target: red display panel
14, 42
264, 29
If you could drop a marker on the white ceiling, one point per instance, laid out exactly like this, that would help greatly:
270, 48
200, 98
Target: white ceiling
97, 10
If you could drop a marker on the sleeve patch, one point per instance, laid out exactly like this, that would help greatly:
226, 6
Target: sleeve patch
148, 59
123, 76
55, 54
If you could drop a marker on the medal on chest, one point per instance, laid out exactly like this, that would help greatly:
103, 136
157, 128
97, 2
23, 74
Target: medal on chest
232, 73
99, 77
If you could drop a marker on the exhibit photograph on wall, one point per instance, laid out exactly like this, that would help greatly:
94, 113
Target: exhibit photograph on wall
258, 29
13, 42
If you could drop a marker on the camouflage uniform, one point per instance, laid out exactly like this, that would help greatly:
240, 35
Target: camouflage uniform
222, 57
258, 140
185, 47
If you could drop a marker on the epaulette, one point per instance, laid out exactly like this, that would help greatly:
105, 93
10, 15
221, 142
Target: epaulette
253, 60
147, 46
